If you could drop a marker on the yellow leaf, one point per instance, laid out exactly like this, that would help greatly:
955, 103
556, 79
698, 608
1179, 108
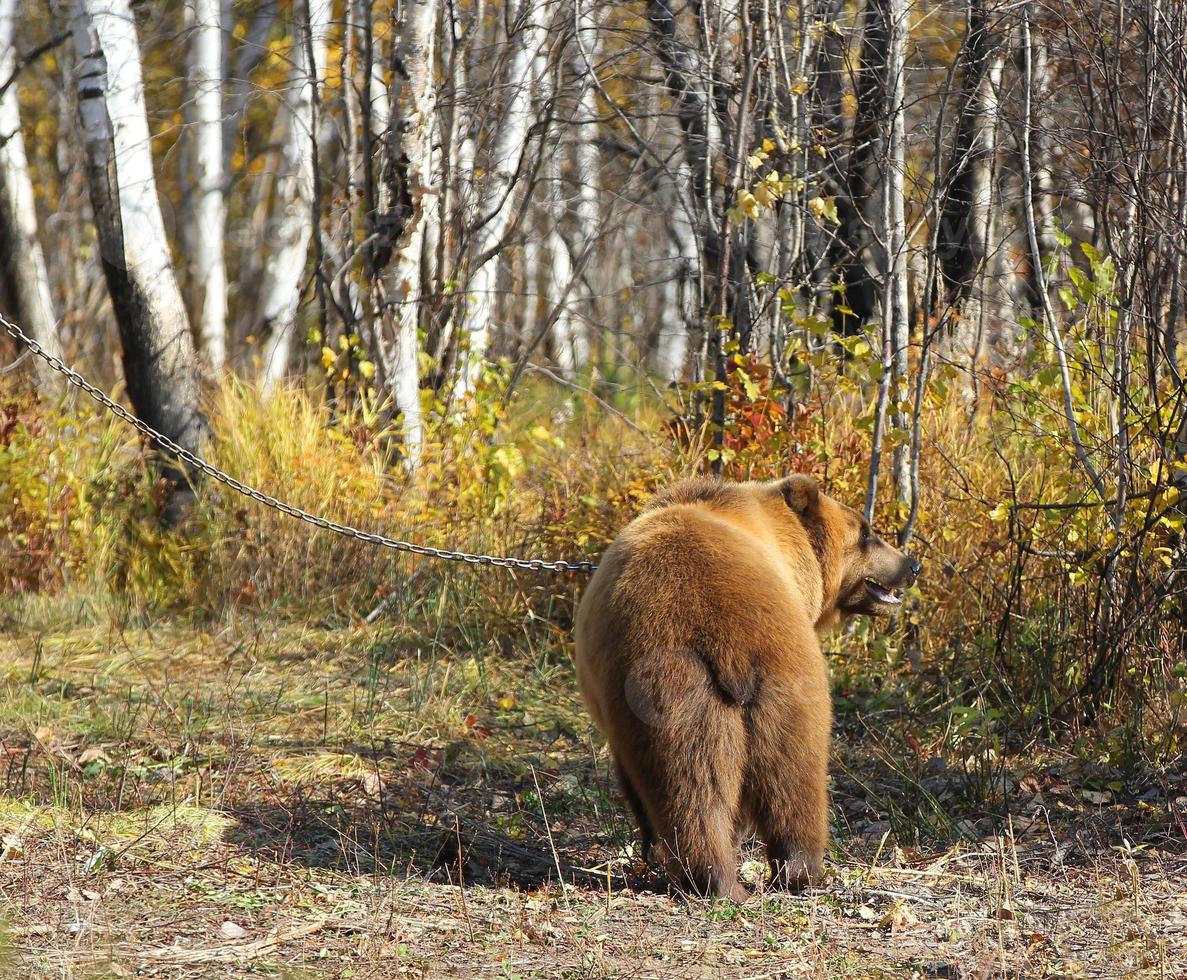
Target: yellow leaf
747, 204
1167, 498
824, 208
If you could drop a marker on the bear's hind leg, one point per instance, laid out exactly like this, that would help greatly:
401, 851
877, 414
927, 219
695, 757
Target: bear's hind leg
786, 790
682, 757
702, 771
699, 852
646, 830
692, 833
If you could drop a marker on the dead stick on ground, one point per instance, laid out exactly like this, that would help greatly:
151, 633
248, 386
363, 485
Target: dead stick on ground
461, 875
239, 953
555, 857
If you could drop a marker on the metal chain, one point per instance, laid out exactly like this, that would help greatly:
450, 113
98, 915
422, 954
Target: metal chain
76, 379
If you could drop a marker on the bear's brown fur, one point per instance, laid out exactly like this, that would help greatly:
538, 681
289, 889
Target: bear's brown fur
697, 656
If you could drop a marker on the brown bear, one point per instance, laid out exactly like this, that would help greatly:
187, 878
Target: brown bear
697, 656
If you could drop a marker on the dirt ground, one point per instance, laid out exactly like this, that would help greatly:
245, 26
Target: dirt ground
302, 802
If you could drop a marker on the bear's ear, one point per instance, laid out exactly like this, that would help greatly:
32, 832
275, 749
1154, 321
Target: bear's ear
802, 493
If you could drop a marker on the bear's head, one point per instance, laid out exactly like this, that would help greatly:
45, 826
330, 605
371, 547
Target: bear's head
861, 573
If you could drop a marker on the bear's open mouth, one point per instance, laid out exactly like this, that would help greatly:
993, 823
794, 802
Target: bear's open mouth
882, 594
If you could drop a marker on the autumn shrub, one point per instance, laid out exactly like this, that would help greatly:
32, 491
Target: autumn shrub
1008, 613
534, 477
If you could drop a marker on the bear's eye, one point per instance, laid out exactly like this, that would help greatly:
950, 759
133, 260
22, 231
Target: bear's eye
865, 536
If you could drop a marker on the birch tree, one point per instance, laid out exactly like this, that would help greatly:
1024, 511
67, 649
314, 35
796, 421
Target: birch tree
496, 203
25, 282
565, 253
409, 209
210, 210
570, 346
890, 20
292, 230
160, 365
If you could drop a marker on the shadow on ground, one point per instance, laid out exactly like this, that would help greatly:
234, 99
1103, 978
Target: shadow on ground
452, 815
460, 815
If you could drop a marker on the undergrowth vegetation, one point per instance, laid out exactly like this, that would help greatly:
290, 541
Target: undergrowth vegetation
1004, 624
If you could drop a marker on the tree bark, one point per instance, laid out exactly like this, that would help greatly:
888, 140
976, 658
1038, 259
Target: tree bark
160, 365
966, 250
564, 252
1042, 192
293, 228
25, 282
210, 208
858, 252
898, 309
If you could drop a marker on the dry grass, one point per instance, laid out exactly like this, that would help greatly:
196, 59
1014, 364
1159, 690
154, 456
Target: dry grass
382, 801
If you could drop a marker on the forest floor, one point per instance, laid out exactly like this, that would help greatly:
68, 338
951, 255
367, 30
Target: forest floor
256, 800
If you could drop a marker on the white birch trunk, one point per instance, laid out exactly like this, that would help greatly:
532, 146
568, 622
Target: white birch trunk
414, 100
496, 203
897, 308
22, 263
987, 292
160, 366
529, 278
587, 160
569, 340
681, 292
292, 230
210, 209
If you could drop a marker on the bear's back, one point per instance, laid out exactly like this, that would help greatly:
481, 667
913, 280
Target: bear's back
701, 555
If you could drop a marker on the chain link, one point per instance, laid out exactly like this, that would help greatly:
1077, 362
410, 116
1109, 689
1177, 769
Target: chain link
198, 463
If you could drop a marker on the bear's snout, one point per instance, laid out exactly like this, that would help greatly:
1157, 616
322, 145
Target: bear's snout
914, 567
